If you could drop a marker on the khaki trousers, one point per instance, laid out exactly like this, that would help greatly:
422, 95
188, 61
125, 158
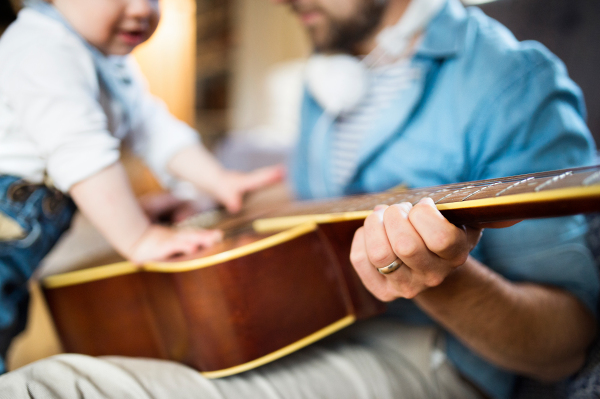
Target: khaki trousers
373, 359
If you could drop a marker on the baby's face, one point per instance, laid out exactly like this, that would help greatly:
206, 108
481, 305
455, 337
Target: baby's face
113, 26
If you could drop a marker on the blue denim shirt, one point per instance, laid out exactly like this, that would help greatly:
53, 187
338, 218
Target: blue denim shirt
483, 106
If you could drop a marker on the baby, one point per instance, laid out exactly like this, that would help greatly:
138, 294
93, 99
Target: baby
69, 97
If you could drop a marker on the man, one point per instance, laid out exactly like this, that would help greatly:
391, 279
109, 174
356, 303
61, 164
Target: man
482, 106
448, 96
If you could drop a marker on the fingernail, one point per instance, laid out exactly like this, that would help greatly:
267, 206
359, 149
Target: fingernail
379, 211
404, 208
427, 201
407, 206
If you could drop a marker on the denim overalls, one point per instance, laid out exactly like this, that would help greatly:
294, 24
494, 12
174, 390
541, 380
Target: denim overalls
32, 219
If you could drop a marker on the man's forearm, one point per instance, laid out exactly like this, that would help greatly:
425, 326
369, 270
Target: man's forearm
527, 328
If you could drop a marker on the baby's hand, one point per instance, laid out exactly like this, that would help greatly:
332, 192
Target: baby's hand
160, 243
165, 208
233, 185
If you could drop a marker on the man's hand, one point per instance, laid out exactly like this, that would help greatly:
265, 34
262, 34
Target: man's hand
428, 246
548, 331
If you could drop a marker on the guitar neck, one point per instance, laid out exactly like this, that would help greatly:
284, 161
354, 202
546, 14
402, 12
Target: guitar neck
537, 195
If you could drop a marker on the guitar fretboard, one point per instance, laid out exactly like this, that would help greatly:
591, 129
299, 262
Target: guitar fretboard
578, 188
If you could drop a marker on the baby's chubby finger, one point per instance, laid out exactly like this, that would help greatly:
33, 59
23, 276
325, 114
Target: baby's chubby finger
203, 238
262, 177
230, 197
189, 241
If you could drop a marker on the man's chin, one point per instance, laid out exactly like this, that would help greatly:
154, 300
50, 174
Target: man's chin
331, 40
331, 35
321, 42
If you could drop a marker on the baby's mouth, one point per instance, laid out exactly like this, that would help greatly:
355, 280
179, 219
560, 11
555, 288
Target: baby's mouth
132, 37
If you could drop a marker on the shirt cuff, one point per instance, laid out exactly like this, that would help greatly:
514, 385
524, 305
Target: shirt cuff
76, 161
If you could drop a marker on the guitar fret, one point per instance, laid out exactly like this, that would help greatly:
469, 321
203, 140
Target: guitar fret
552, 181
591, 179
513, 186
480, 190
438, 195
458, 195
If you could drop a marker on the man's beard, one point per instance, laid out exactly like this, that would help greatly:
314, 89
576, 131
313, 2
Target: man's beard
344, 35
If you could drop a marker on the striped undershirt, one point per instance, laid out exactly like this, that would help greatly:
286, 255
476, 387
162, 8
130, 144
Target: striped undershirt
352, 129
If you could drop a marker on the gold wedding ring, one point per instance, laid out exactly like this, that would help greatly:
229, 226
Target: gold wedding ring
392, 267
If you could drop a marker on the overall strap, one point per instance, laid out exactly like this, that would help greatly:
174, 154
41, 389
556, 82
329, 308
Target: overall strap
111, 70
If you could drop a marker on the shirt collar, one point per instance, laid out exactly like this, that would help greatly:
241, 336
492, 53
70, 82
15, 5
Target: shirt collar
445, 34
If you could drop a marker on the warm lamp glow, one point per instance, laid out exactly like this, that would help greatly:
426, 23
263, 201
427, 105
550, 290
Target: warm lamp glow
168, 59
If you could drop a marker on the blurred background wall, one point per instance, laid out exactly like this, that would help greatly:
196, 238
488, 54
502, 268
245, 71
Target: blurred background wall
265, 35
570, 29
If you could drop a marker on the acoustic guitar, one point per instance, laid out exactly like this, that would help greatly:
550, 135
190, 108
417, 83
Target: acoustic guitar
276, 283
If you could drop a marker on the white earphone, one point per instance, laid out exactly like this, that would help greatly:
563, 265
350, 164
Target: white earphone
340, 81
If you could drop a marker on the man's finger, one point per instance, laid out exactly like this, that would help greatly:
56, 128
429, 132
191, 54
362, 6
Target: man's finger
440, 236
473, 236
378, 248
404, 239
370, 277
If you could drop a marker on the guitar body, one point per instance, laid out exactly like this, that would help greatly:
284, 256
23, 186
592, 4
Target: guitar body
259, 296
228, 315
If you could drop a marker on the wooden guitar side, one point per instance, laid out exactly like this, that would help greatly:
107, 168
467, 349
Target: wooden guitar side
255, 297
224, 318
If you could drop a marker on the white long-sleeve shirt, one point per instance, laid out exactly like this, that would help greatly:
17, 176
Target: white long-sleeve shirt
55, 117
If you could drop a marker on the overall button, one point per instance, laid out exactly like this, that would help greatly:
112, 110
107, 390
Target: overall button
53, 203
20, 191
